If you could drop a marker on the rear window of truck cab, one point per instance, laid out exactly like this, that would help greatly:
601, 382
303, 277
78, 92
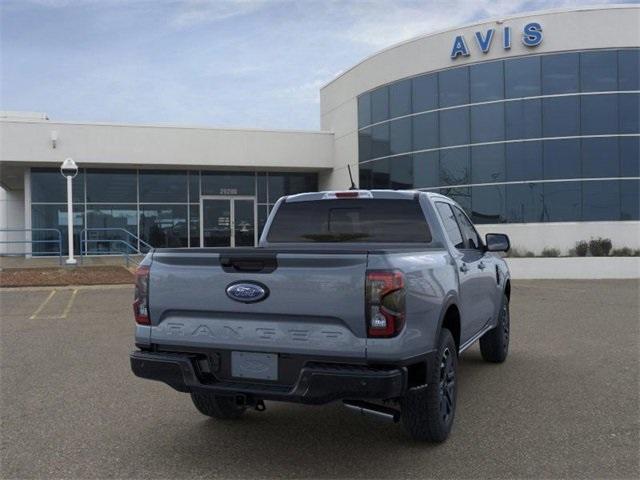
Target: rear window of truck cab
357, 220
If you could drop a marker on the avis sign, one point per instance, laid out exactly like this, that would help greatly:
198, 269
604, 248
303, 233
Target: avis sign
531, 37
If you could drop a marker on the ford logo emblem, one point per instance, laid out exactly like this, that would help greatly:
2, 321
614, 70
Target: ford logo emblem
247, 292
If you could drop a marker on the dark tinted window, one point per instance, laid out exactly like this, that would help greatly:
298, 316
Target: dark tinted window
487, 123
426, 170
365, 145
524, 203
364, 110
488, 204
601, 200
350, 220
522, 77
471, 238
194, 225
629, 204
425, 131
381, 174
455, 168
400, 98
562, 201
487, 164
599, 71
111, 186
400, 135
599, 114
365, 180
487, 81
461, 195
380, 104
227, 183
380, 140
560, 73
402, 172
164, 226
425, 93
629, 69
629, 156
52, 216
560, 116
48, 185
159, 186
523, 119
194, 186
523, 161
454, 87
562, 159
629, 112
600, 157
281, 184
261, 186
454, 127
450, 224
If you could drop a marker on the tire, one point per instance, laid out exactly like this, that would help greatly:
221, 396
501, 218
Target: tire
217, 406
494, 345
428, 412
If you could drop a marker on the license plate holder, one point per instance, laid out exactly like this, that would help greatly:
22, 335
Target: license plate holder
254, 365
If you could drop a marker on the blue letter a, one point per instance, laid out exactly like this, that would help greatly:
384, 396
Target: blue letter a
459, 47
485, 43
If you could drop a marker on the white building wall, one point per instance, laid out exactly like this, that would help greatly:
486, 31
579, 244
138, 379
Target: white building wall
11, 217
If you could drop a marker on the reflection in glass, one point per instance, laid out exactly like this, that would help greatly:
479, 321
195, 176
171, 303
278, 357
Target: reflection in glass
400, 98
380, 105
560, 116
454, 166
244, 223
562, 201
487, 81
381, 174
400, 135
488, 204
425, 131
487, 123
524, 203
261, 185
629, 199
426, 169
599, 71
380, 140
111, 186
454, 127
52, 216
281, 184
629, 156
487, 164
115, 219
454, 87
522, 77
364, 110
629, 112
461, 195
194, 225
523, 119
163, 186
629, 69
523, 161
402, 172
194, 186
216, 226
560, 73
601, 200
600, 157
598, 114
425, 92
365, 147
48, 185
263, 213
164, 226
561, 159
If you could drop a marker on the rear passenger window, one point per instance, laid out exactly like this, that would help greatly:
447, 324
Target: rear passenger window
450, 224
471, 238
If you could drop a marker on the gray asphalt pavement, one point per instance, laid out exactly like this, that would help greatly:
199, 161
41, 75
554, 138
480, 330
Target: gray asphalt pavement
565, 404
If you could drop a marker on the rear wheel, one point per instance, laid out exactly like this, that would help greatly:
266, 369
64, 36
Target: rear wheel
428, 412
217, 406
494, 345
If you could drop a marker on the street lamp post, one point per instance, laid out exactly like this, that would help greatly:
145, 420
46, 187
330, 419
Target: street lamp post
69, 170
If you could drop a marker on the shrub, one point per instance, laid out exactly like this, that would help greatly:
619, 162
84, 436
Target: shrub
550, 252
625, 252
581, 249
600, 247
515, 252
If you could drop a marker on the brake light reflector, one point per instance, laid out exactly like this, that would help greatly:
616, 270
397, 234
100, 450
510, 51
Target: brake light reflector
351, 194
141, 296
385, 302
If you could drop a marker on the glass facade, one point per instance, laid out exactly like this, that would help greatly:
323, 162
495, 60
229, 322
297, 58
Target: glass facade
161, 207
544, 138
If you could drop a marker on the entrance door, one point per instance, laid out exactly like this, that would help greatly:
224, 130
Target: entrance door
228, 221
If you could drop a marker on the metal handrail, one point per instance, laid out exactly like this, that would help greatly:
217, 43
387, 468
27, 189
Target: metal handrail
31, 241
118, 229
124, 253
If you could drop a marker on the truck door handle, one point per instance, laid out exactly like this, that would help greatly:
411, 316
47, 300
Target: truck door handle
464, 268
482, 266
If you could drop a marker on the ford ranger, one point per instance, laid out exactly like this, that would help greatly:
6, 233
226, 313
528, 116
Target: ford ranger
367, 297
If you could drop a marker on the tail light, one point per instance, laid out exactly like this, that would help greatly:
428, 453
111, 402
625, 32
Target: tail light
385, 302
141, 296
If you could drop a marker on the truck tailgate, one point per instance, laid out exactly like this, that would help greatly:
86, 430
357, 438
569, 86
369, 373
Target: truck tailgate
315, 302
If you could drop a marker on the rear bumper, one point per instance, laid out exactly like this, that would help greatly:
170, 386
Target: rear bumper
317, 383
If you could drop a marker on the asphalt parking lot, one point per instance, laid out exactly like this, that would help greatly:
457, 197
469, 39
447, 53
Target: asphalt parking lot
565, 404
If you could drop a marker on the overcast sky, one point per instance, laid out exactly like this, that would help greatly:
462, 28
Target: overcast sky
243, 63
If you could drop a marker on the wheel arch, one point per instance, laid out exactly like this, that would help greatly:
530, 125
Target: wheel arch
450, 319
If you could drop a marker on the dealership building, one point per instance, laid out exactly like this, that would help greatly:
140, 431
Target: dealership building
530, 122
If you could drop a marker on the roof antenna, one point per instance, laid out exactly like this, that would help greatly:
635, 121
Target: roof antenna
353, 185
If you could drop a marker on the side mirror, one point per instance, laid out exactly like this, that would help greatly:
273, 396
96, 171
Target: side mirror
497, 242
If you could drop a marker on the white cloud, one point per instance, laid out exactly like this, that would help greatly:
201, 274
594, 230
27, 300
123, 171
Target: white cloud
194, 12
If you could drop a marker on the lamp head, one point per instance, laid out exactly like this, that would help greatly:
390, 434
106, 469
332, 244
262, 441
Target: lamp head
69, 168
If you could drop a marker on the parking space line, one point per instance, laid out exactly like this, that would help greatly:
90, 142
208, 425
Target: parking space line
68, 307
42, 305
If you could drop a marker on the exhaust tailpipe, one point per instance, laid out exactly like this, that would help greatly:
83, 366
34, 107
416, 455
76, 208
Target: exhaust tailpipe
380, 411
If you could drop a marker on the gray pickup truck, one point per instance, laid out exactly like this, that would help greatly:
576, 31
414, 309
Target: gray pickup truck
362, 296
